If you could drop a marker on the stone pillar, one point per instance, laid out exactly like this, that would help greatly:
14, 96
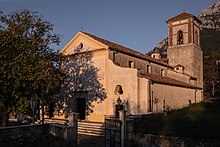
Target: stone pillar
73, 122
122, 118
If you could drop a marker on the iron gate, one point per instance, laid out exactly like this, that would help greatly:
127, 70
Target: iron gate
112, 132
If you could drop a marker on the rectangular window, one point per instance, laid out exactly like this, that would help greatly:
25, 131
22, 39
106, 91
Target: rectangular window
131, 64
162, 72
148, 69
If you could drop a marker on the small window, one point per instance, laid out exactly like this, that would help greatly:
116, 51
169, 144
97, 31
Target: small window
148, 69
196, 38
154, 56
162, 72
80, 46
180, 37
177, 68
131, 64
118, 90
113, 56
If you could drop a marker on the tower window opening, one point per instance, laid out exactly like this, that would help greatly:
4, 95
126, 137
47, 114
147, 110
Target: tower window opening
196, 38
180, 37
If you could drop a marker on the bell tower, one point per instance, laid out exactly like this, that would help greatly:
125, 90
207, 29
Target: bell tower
184, 46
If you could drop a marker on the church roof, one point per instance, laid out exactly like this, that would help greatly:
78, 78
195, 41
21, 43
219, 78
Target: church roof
125, 50
167, 81
181, 16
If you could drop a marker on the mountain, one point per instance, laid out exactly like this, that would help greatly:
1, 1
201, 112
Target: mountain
210, 34
210, 17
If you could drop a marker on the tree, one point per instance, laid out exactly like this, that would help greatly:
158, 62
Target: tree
211, 80
211, 49
29, 66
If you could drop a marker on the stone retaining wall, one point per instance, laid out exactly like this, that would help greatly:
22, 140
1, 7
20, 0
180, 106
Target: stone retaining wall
66, 132
22, 131
147, 140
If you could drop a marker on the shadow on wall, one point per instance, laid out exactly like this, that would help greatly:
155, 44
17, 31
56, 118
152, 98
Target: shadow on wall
82, 77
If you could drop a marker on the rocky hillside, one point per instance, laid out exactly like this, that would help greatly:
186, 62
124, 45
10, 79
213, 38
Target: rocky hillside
210, 35
210, 17
161, 47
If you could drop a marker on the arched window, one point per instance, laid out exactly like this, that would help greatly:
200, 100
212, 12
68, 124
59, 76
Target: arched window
180, 37
118, 90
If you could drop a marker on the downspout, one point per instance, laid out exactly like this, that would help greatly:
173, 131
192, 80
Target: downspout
138, 92
195, 95
149, 96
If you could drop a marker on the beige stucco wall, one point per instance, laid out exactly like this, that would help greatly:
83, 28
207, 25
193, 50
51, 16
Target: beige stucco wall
88, 44
178, 76
143, 96
100, 58
175, 97
190, 56
127, 78
135, 89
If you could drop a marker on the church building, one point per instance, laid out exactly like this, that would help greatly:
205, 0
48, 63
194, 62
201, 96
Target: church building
102, 74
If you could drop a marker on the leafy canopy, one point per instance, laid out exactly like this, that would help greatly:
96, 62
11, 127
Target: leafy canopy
28, 63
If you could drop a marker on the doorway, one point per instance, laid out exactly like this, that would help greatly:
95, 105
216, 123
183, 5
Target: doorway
81, 108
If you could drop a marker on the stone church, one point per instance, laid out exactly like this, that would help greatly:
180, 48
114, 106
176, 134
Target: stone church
102, 74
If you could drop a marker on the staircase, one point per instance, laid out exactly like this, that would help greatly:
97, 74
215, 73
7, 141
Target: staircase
91, 128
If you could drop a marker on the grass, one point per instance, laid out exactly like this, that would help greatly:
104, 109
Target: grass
200, 120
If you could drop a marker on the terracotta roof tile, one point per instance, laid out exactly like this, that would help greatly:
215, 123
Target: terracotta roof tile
168, 81
126, 50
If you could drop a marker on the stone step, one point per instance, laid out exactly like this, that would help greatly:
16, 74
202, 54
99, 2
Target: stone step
91, 128
90, 123
92, 134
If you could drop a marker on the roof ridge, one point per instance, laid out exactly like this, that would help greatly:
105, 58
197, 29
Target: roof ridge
168, 81
126, 50
183, 15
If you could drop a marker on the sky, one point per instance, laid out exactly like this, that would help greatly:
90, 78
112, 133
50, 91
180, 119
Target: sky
136, 24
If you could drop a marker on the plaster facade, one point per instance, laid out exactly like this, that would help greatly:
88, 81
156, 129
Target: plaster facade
147, 85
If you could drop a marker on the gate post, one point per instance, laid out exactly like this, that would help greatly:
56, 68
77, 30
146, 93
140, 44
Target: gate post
73, 122
122, 118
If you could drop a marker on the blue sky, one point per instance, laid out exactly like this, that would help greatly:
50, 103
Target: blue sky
137, 24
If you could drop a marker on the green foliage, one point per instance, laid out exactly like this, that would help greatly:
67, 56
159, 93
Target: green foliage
211, 48
197, 121
27, 61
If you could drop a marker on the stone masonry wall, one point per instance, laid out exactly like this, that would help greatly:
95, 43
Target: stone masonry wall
148, 140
